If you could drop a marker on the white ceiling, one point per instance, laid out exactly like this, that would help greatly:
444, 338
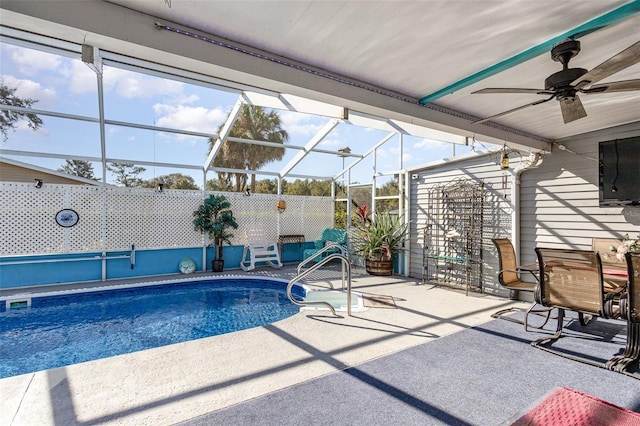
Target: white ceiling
412, 48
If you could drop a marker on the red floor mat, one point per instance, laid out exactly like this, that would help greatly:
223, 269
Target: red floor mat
566, 407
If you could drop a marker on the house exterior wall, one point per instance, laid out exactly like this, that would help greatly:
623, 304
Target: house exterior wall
559, 199
13, 173
558, 204
497, 207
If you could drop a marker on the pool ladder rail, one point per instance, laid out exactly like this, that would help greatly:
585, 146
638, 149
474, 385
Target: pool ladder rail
104, 256
346, 277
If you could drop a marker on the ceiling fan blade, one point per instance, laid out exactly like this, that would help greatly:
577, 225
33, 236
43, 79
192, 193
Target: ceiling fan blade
615, 86
624, 59
572, 109
510, 90
512, 110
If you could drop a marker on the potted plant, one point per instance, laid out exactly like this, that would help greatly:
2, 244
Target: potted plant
214, 217
379, 240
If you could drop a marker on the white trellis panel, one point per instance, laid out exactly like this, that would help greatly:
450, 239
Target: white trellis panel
150, 219
316, 214
28, 221
256, 210
260, 210
140, 216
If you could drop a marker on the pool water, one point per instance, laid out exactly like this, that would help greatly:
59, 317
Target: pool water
67, 329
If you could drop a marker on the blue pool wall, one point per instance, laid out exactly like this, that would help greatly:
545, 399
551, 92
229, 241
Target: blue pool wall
61, 269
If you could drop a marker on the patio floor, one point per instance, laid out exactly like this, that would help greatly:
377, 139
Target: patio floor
179, 382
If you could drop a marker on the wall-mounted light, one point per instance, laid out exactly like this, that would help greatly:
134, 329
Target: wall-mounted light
38, 183
160, 187
504, 160
282, 205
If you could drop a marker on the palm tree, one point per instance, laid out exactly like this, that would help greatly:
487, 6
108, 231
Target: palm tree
256, 124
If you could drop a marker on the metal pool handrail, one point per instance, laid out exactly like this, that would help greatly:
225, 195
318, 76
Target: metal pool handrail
329, 246
345, 261
105, 256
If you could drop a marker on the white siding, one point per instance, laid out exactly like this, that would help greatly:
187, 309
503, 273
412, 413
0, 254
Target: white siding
558, 201
497, 208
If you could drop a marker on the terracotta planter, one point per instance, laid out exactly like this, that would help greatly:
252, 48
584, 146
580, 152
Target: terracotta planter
382, 267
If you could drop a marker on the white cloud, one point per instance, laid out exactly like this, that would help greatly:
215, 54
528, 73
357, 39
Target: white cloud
80, 78
32, 90
329, 142
297, 124
31, 61
196, 119
431, 144
129, 85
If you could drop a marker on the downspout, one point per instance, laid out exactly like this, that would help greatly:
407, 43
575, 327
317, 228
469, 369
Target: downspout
530, 163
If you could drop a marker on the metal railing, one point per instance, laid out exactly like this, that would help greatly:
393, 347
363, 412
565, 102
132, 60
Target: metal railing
346, 266
104, 256
328, 247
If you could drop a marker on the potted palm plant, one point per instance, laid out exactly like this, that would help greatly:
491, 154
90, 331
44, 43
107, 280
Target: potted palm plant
214, 217
379, 240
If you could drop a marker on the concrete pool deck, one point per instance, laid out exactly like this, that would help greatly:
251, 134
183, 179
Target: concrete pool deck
170, 384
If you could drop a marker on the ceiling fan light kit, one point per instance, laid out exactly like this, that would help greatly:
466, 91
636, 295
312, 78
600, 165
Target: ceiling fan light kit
565, 85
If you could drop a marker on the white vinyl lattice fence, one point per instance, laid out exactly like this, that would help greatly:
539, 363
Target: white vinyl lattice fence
113, 218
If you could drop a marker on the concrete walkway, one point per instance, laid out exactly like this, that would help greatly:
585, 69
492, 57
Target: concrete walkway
170, 384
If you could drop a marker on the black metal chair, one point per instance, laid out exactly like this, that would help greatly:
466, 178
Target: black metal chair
509, 276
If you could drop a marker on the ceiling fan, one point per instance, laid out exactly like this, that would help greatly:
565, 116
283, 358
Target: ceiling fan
566, 84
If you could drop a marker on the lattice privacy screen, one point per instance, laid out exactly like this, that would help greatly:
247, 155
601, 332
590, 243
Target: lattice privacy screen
124, 216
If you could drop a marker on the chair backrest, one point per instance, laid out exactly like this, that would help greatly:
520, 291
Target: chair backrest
255, 236
334, 235
633, 289
507, 260
571, 279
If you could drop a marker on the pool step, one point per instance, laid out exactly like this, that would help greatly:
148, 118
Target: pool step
336, 298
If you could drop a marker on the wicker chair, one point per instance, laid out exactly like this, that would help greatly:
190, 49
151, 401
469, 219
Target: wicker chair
509, 276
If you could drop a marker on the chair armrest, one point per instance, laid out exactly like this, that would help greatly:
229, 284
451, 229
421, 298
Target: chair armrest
533, 272
518, 271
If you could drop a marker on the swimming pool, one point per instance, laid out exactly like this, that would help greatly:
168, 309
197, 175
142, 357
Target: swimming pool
64, 329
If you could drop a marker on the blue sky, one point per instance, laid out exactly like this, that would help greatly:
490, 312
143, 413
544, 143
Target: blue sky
67, 85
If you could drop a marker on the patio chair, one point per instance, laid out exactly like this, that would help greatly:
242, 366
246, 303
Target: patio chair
257, 249
630, 311
329, 236
570, 280
613, 269
509, 276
